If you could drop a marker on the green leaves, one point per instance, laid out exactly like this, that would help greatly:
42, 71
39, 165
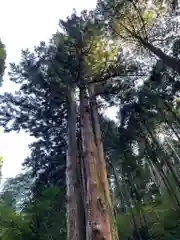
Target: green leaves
13, 226
22, 223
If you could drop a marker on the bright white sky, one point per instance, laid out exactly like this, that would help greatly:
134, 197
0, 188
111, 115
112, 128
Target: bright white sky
23, 24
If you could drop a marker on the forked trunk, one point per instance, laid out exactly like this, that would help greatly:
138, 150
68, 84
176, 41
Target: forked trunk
98, 225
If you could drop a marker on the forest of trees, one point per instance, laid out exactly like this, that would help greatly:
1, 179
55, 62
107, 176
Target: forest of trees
91, 175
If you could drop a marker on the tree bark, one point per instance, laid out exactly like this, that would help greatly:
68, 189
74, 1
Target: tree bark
74, 203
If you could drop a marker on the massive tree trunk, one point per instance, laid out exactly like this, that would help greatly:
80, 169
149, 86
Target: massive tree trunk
74, 202
98, 225
101, 159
